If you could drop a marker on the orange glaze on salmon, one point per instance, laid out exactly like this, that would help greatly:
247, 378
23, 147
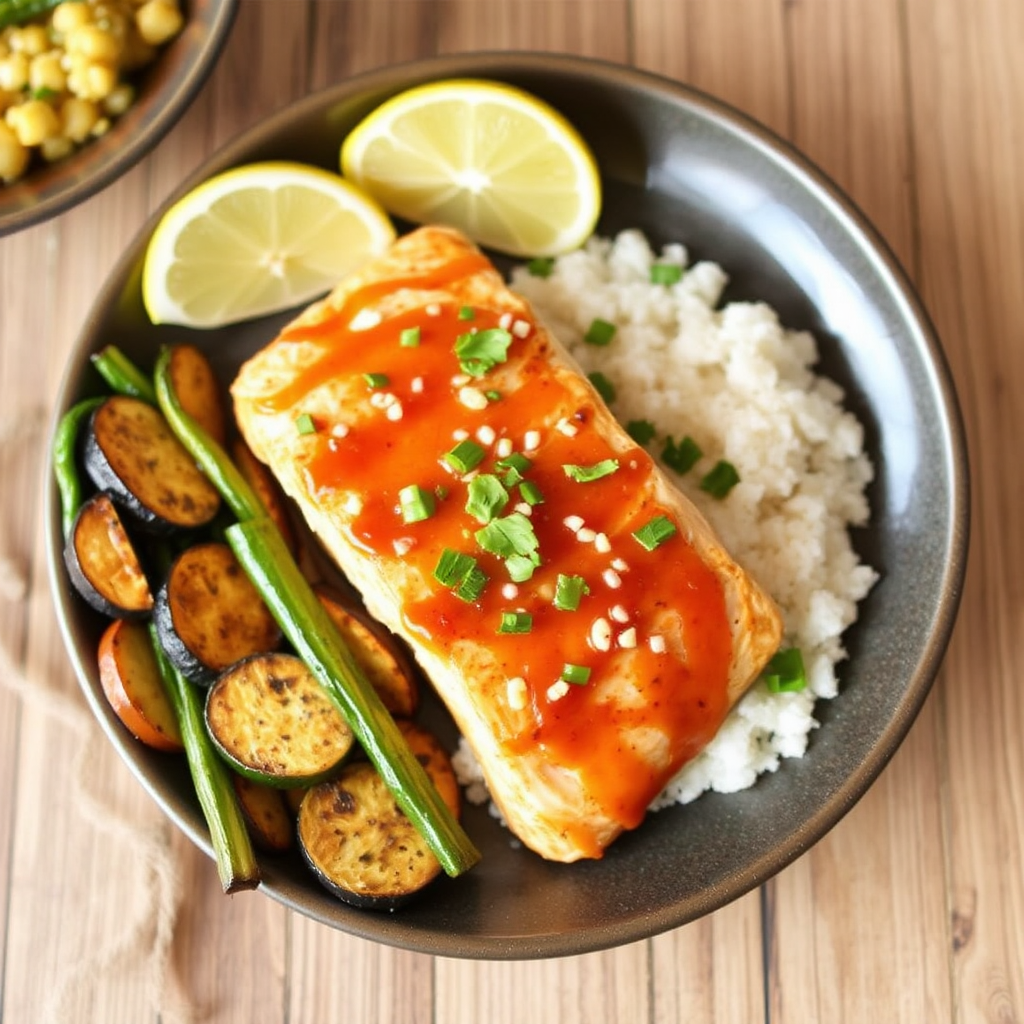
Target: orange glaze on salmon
663, 641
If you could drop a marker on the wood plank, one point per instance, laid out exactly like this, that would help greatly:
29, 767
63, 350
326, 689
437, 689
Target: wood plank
966, 83
711, 971
598, 988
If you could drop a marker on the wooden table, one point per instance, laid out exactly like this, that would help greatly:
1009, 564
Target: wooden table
911, 910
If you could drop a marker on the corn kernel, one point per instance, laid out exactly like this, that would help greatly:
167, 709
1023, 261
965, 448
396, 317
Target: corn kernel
45, 72
71, 15
14, 156
14, 72
78, 118
33, 122
158, 21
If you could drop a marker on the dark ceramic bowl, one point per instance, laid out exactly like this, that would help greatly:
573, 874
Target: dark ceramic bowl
166, 88
682, 167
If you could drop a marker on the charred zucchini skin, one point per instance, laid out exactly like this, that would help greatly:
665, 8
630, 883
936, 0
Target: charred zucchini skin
206, 580
102, 563
358, 843
273, 723
130, 451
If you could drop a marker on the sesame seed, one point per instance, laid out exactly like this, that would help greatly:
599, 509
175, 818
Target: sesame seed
619, 613
612, 579
416, 385
339, 430
558, 690
521, 328
353, 504
574, 523
460, 380
563, 426
510, 591
394, 411
524, 508
403, 545
364, 320
601, 634
602, 543
504, 448
531, 440
433, 309
656, 642
627, 638
620, 565
486, 435
505, 321
333, 445
381, 399
585, 535
516, 690
460, 434
472, 398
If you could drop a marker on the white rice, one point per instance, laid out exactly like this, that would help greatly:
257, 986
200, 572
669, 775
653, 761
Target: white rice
742, 386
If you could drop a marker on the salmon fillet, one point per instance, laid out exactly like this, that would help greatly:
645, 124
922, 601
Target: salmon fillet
573, 610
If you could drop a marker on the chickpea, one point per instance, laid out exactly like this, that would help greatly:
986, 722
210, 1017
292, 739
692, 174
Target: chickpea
93, 43
78, 118
158, 21
14, 156
56, 148
14, 72
71, 15
45, 72
119, 100
33, 121
29, 40
92, 81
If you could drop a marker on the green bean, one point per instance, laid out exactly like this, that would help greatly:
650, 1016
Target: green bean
232, 847
123, 376
65, 462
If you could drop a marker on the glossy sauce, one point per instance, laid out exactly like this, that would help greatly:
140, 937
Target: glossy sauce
682, 691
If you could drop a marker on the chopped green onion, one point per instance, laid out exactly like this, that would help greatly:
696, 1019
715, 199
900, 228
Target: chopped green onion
515, 465
465, 456
376, 380
569, 591
515, 622
452, 567
43, 92
480, 351
492, 396
785, 672
641, 431
511, 535
304, 424
487, 497
466, 313
541, 266
604, 387
666, 273
588, 474
600, 332
531, 493
655, 532
472, 584
578, 675
681, 457
720, 480
409, 338
415, 503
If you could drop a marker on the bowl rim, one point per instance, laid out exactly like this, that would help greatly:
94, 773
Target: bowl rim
855, 224
135, 145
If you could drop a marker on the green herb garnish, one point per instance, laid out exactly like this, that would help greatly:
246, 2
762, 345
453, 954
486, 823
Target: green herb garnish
515, 622
465, 456
480, 351
376, 380
409, 338
541, 266
415, 503
600, 332
531, 493
588, 474
641, 431
655, 532
466, 313
511, 535
460, 572
785, 672
569, 591
304, 424
604, 387
578, 675
681, 457
721, 479
487, 497
666, 273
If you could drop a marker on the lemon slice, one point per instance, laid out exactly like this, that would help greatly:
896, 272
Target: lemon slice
489, 159
256, 240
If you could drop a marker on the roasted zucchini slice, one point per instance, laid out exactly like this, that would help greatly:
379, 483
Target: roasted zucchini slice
131, 452
198, 389
274, 722
358, 842
102, 562
209, 615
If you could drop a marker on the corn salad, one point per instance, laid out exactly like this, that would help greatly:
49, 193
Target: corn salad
66, 76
